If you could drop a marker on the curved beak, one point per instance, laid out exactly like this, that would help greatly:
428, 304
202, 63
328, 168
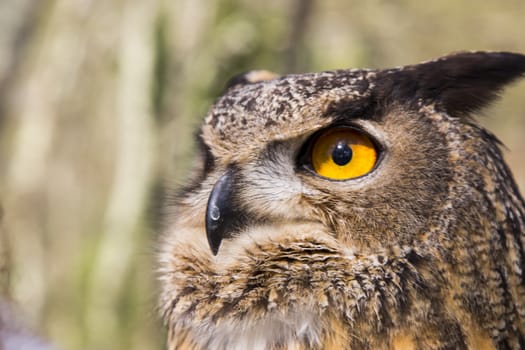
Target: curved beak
219, 212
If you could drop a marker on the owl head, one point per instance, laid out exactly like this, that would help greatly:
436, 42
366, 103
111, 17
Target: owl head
350, 209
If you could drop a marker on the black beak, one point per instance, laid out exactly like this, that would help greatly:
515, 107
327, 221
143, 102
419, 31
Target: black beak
220, 212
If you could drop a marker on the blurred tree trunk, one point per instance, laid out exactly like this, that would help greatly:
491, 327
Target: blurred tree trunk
16, 18
77, 135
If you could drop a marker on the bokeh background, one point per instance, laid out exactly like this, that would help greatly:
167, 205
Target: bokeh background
99, 100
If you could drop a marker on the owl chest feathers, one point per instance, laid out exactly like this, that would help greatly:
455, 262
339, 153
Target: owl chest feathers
304, 292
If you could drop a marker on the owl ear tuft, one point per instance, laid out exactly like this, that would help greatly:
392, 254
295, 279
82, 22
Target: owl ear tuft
250, 77
460, 83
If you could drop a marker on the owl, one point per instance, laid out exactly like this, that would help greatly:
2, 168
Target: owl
350, 209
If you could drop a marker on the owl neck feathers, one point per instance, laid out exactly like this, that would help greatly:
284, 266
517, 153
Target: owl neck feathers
490, 243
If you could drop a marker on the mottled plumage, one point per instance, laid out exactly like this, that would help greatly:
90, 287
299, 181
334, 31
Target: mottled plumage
425, 251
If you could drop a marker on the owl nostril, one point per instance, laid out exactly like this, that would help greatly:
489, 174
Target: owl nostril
214, 213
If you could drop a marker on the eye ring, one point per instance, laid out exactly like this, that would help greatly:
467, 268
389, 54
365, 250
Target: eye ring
340, 153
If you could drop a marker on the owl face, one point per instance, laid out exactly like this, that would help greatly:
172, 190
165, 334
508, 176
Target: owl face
273, 176
351, 209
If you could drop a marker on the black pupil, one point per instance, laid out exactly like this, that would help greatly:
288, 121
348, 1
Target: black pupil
342, 153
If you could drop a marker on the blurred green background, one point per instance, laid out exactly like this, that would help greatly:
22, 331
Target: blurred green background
99, 100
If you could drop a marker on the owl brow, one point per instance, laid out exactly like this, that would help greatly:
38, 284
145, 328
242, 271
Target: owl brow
350, 108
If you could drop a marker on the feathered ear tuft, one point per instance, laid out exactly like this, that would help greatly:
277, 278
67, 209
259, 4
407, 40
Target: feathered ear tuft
459, 84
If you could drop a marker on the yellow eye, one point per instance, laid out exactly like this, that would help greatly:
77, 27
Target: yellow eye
342, 154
